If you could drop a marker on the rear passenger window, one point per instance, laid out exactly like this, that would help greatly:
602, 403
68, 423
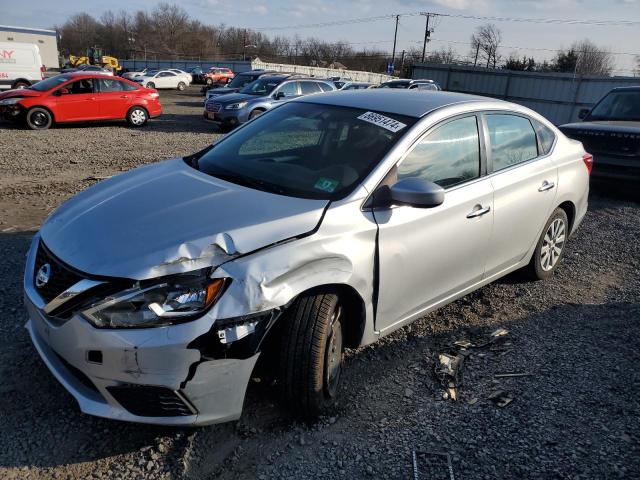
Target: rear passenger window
448, 156
309, 87
110, 85
513, 140
546, 137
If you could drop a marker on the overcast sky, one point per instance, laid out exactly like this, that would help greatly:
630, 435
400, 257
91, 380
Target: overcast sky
452, 32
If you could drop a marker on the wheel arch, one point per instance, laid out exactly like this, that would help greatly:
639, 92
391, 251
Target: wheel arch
44, 107
570, 209
19, 80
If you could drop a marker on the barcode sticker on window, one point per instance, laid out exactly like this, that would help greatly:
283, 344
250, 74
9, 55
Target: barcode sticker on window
382, 121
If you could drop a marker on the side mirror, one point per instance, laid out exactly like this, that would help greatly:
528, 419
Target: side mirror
417, 192
279, 95
582, 114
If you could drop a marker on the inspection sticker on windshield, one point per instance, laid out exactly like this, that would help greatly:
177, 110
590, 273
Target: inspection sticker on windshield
382, 121
326, 184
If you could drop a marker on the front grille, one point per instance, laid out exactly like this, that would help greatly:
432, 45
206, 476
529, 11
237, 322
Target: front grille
150, 401
61, 276
209, 107
614, 143
217, 107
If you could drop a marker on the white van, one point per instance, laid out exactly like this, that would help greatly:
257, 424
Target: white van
20, 65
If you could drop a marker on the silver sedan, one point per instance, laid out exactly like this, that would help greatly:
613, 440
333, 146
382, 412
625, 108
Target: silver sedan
324, 224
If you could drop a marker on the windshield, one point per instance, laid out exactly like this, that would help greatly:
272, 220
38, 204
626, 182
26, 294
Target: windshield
240, 81
304, 150
618, 106
262, 86
49, 83
394, 85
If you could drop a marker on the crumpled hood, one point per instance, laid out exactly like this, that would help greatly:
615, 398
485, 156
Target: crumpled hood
19, 92
169, 218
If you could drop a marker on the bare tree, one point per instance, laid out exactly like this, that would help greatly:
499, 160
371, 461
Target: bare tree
485, 43
592, 60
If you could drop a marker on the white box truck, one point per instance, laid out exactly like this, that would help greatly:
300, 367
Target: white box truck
20, 65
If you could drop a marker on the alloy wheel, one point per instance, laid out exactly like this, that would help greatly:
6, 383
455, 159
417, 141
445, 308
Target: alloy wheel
333, 354
552, 245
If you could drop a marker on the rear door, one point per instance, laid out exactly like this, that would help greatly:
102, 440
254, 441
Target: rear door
112, 97
80, 103
524, 181
428, 255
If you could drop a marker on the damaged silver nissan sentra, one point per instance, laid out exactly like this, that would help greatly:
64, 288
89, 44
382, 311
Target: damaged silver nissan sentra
323, 224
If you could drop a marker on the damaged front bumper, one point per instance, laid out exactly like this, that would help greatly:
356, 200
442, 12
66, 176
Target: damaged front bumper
181, 374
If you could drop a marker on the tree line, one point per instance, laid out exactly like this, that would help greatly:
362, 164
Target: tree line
168, 32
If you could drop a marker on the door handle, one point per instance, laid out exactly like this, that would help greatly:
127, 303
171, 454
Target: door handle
90, 99
546, 186
124, 96
478, 211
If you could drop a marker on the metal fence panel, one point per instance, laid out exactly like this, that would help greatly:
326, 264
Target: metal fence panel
557, 96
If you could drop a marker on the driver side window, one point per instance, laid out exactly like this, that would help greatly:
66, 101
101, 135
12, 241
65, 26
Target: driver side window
289, 89
448, 155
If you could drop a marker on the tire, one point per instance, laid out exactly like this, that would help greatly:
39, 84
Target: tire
150, 85
209, 81
550, 247
255, 113
20, 84
137, 116
182, 86
311, 354
39, 118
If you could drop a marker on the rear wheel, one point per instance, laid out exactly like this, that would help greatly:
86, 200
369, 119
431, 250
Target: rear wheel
550, 248
39, 118
137, 116
21, 84
311, 354
182, 86
209, 81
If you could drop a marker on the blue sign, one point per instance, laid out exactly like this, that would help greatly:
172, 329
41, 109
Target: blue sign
391, 67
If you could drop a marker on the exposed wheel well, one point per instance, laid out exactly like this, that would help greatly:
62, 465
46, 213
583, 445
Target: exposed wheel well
570, 209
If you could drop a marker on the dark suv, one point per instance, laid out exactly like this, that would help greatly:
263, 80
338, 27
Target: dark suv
261, 95
610, 131
239, 81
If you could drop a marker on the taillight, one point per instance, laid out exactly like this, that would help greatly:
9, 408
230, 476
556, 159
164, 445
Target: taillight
587, 158
42, 70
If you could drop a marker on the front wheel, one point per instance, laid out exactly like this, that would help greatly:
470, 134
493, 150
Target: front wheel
209, 81
182, 86
150, 85
39, 118
137, 116
311, 354
550, 247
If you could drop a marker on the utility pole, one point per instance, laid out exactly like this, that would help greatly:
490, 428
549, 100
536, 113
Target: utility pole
395, 37
244, 44
402, 64
475, 62
427, 34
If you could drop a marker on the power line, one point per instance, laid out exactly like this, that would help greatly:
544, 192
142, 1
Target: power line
552, 21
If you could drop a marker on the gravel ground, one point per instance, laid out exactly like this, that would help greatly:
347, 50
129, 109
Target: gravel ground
578, 336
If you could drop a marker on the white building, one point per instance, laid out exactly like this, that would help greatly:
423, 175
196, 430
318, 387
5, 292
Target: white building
46, 40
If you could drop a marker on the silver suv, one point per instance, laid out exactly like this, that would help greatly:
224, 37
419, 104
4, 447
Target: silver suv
328, 222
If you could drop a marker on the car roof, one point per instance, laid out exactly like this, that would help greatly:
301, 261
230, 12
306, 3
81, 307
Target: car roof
632, 88
82, 74
400, 102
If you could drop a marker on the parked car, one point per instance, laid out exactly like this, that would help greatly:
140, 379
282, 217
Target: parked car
161, 79
87, 68
259, 96
181, 73
418, 84
239, 81
328, 222
339, 82
197, 74
20, 65
131, 75
79, 97
217, 75
354, 86
611, 132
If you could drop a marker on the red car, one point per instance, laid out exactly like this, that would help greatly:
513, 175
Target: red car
79, 97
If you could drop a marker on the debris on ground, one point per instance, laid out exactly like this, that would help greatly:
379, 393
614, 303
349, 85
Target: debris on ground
432, 466
500, 398
449, 371
511, 375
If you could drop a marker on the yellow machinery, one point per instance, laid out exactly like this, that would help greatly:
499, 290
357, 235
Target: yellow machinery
94, 56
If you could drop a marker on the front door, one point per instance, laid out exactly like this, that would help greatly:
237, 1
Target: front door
427, 255
524, 182
76, 101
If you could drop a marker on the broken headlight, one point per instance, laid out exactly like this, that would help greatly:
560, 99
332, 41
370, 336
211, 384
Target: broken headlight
175, 299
